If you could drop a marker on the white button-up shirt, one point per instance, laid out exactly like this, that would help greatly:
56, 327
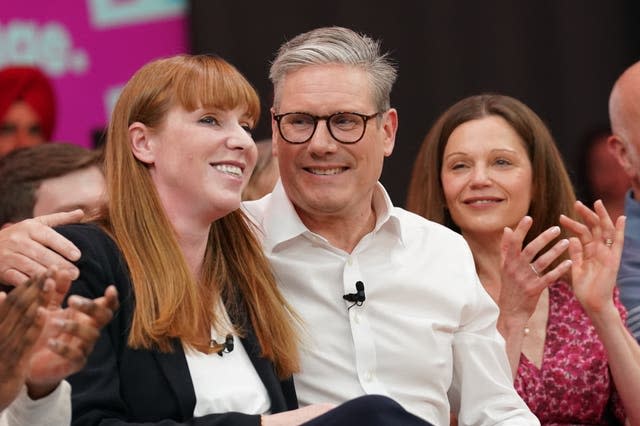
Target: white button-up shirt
425, 335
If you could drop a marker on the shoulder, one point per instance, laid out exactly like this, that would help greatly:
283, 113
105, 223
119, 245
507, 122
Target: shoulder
416, 226
81, 231
88, 237
101, 262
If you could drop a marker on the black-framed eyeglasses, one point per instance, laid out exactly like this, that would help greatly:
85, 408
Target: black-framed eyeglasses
345, 127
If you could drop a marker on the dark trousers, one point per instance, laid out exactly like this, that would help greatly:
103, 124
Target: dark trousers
369, 410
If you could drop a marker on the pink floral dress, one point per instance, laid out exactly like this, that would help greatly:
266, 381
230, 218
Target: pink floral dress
573, 385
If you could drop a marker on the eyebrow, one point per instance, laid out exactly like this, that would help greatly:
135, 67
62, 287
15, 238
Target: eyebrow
512, 151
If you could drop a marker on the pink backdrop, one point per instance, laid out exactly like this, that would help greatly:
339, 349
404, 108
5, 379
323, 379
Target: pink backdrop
89, 48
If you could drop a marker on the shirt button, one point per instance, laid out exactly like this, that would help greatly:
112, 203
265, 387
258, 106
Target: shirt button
356, 318
368, 376
349, 261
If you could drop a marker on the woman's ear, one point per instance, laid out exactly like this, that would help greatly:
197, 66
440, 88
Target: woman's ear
141, 142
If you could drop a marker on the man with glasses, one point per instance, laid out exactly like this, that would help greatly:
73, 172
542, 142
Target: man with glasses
391, 303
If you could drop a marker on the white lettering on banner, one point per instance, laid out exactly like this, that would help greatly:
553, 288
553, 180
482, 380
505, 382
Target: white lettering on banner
50, 47
114, 13
110, 97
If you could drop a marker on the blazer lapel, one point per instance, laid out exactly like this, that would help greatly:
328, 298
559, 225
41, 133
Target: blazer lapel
175, 368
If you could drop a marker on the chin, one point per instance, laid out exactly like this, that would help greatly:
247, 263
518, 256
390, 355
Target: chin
227, 204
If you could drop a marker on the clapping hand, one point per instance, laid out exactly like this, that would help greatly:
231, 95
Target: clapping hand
22, 319
523, 278
595, 252
68, 338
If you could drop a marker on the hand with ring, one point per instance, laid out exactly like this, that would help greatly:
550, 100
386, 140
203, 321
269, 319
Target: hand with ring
595, 251
524, 273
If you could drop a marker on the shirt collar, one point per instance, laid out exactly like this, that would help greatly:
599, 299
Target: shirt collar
282, 223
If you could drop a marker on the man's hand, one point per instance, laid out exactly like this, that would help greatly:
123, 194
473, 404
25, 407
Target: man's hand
30, 247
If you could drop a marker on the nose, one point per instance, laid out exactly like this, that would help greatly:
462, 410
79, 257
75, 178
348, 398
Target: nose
239, 138
480, 176
25, 138
322, 142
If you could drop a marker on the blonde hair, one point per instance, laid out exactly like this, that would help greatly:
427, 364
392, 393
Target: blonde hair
169, 301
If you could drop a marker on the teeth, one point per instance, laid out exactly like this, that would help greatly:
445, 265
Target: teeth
334, 171
483, 201
226, 168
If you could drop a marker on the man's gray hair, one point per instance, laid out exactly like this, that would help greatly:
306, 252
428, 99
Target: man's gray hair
336, 45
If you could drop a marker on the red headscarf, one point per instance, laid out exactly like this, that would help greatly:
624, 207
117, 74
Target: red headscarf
32, 86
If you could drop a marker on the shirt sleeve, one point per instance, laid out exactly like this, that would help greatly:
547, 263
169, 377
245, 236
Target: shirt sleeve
52, 410
482, 386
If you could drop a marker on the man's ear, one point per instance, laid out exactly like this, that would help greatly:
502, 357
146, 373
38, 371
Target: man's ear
619, 150
390, 126
141, 142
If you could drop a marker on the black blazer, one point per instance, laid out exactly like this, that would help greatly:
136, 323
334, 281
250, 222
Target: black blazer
120, 385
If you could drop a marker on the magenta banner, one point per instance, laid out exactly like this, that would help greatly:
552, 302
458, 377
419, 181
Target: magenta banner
89, 49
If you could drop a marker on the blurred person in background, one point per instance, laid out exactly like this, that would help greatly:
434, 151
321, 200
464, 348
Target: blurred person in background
600, 176
27, 108
265, 174
49, 178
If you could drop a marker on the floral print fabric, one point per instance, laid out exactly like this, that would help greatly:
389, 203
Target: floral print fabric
573, 385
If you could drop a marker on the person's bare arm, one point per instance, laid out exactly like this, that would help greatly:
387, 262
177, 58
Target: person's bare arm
523, 280
596, 252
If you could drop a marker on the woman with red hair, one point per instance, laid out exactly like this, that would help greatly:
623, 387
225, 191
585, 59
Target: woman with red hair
27, 108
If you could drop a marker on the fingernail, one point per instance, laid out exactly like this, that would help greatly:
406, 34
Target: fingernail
555, 229
78, 301
75, 273
75, 254
58, 322
563, 242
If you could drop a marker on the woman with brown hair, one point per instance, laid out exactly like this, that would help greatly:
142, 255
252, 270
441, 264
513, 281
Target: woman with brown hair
203, 336
489, 168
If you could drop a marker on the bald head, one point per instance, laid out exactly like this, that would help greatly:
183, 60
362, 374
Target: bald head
624, 114
624, 102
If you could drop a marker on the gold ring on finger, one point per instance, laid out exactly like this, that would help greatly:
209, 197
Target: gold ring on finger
533, 268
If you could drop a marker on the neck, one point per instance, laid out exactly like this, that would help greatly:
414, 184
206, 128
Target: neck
487, 257
193, 243
343, 231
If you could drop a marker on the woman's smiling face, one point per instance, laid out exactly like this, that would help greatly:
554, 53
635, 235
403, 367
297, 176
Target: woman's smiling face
486, 176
